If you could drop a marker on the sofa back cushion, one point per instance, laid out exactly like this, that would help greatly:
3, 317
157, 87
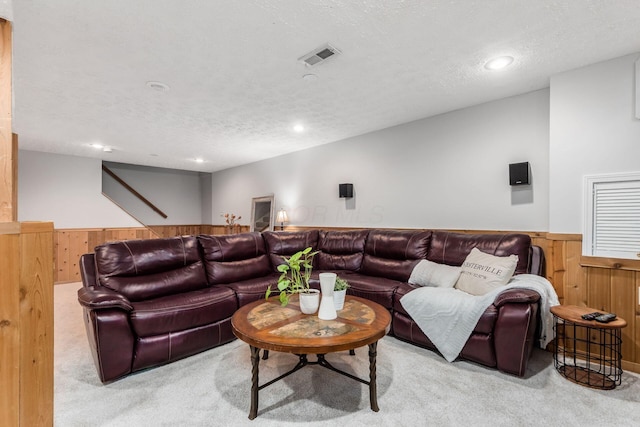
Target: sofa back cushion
453, 248
341, 250
394, 254
286, 243
234, 258
144, 269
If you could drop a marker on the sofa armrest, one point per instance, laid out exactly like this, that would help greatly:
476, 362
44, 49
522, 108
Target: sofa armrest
94, 298
88, 270
537, 264
518, 296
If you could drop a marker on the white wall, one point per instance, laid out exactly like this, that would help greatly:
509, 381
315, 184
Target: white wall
592, 131
447, 171
205, 191
176, 193
66, 190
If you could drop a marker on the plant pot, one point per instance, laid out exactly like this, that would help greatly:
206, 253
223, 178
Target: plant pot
338, 299
327, 310
309, 301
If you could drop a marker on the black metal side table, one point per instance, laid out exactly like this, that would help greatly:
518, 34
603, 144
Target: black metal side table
587, 352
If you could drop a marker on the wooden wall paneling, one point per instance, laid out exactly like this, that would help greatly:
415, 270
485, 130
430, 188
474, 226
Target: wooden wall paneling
14, 168
598, 283
599, 288
78, 242
157, 230
55, 257
194, 230
636, 321
558, 260
129, 234
36, 324
115, 235
9, 325
575, 290
95, 238
110, 235
62, 255
544, 244
622, 303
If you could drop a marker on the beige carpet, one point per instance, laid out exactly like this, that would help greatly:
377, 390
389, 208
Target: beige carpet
416, 387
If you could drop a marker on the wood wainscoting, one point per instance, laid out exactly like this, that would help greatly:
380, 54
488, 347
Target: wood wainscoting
70, 244
604, 284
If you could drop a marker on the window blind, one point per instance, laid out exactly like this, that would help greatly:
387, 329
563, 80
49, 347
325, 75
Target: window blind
616, 219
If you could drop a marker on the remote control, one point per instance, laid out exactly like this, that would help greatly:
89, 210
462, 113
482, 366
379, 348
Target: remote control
591, 316
606, 318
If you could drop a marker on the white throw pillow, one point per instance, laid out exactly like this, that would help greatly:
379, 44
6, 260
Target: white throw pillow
427, 273
482, 272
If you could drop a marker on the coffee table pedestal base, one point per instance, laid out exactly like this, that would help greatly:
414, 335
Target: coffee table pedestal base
321, 361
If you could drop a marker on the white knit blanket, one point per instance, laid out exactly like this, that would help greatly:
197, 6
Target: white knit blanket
448, 316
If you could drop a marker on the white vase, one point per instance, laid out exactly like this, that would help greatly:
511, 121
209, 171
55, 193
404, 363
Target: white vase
309, 301
327, 310
338, 299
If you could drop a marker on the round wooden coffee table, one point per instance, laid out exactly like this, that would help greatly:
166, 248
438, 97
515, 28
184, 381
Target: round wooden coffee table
268, 326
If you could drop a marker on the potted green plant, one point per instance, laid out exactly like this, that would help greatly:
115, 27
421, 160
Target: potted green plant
294, 279
339, 292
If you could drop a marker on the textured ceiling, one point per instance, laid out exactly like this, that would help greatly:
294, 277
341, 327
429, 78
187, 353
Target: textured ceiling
80, 69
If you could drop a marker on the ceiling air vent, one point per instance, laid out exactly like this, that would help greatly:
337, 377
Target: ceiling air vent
319, 55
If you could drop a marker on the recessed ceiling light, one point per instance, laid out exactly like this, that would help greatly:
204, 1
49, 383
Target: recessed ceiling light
310, 77
498, 63
199, 160
159, 86
298, 128
97, 146
107, 149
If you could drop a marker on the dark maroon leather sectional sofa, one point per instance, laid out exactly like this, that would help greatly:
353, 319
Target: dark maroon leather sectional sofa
150, 302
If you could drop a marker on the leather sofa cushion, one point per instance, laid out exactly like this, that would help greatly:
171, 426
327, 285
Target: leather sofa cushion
142, 269
182, 311
234, 258
286, 243
341, 250
453, 248
254, 289
376, 289
394, 254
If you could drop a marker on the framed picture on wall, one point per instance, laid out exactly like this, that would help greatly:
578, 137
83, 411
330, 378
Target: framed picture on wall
262, 213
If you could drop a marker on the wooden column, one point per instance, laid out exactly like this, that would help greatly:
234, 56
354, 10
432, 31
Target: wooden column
26, 324
26, 285
9, 323
8, 143
36, 324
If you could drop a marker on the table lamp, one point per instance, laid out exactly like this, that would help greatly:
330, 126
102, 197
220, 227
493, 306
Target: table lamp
282, 218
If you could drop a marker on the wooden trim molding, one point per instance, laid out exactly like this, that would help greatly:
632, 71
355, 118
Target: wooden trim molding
610, 263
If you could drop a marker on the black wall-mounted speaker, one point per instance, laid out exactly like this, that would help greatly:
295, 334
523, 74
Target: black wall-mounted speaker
519, 173
345, 190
